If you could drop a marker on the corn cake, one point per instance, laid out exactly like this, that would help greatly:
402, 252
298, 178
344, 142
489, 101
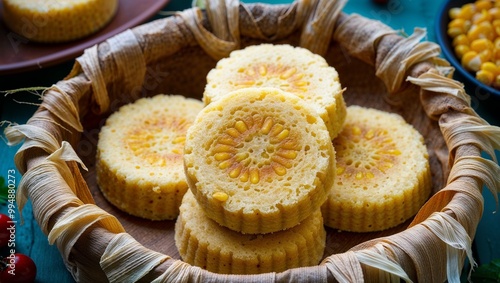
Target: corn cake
292, 69
139, 155
204, 243
258, 160
383, 173
53, 21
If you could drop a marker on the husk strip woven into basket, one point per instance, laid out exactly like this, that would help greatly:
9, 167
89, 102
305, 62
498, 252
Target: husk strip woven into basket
377, 66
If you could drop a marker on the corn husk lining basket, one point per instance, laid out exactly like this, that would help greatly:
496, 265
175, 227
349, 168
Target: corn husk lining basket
378, 67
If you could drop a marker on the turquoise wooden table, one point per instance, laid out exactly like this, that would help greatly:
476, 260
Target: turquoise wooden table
400, 15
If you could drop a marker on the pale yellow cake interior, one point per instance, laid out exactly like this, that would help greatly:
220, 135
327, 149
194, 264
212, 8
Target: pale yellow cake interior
295, 70
140, 155
204, 243
383, 173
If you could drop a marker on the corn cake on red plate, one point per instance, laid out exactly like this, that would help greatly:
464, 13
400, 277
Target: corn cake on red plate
18, 54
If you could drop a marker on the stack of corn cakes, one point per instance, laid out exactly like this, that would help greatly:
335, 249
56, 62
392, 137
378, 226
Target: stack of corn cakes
274, 155
264, 164
260, 172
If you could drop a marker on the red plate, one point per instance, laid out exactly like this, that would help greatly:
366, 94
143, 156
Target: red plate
18, 54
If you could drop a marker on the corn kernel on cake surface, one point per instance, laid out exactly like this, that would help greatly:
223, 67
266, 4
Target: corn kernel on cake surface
139, 160
259, 160
53, 21
204, 243
383, 173
292, 69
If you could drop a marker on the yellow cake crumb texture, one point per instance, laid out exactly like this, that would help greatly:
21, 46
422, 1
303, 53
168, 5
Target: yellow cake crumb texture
52, 21
140, 155
263, 163
292, 69
383, 173
256, 170
204, 243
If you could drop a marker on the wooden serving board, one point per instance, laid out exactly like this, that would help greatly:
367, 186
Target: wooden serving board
362, 88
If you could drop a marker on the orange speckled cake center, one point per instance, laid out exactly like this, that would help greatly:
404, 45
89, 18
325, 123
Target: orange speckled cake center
364, 152
158, 140
255, 148
288, 78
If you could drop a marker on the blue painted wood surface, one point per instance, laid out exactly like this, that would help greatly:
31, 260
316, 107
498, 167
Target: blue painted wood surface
399, 14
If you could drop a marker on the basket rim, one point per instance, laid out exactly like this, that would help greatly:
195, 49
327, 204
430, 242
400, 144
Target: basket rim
37, 155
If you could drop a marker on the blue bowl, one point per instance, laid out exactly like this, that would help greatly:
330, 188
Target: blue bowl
480, 92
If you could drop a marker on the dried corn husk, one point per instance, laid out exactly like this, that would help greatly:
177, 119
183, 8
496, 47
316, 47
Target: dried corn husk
431, 249
123, 250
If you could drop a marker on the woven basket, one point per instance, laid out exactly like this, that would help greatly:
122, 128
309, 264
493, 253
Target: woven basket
378, 67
